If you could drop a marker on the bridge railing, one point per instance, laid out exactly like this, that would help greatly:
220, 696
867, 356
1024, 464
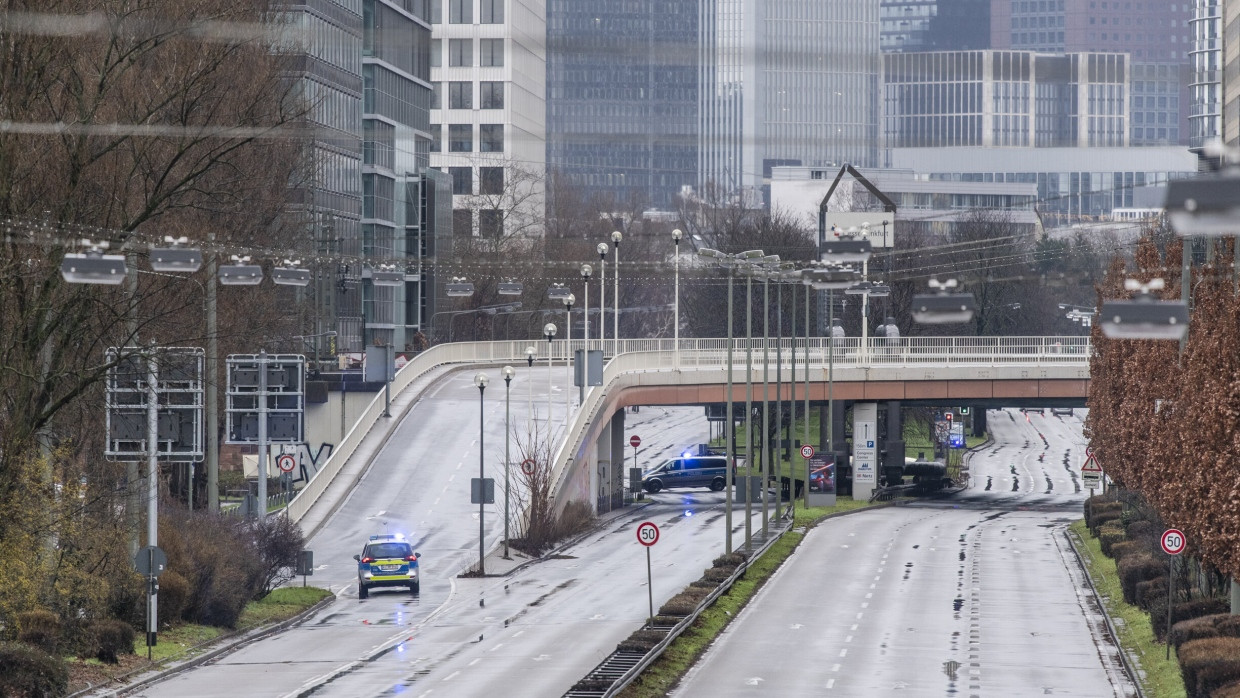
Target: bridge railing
637, 355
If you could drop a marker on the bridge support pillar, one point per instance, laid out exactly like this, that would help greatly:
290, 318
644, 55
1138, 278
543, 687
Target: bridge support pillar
895, 439
979, 420
607, 480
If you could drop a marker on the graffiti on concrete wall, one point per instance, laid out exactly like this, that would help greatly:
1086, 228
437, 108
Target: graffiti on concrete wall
309, 463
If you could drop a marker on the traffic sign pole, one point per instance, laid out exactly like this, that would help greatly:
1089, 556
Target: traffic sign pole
1173, 543
648, 535
636, 441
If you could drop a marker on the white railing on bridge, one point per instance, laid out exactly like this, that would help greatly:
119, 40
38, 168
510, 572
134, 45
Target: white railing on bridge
643, 355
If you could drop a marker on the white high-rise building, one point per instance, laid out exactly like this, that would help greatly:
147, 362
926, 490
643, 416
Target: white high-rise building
488, 115
786, 82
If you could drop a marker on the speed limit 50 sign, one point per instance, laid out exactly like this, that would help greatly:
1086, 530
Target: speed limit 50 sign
647, 533
1173, 541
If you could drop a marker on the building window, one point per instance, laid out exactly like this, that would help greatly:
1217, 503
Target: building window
460, 95
491, 138
490, 223
436, 95
462, 180
460, 52
436, 11
460, 138
490, 180
491, 11
436, 53
491, 53
462, 221
436, 138
460, 11
491, 95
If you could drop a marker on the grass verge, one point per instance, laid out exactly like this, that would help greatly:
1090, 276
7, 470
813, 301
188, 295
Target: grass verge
666, 672
1161, 676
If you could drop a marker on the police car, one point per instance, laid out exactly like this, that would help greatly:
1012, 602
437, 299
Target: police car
387, 561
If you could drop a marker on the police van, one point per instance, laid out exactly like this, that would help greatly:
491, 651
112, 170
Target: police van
687, 471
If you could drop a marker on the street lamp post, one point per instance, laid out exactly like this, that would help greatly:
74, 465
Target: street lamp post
585, 314
730, 262
508, 373
749, 408
601, 249
568, 353
676, 235
549, 333
616, 237
766, 387
480, 380
529, 361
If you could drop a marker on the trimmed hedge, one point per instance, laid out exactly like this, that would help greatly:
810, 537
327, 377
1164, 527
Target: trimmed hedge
684, 603
1194, 629
1231, 690
112, 639
1125, 548
1135, 569
1149, 593
26, 671
1183, 611
1109, 537
39, 629
1208, 664
1106, 517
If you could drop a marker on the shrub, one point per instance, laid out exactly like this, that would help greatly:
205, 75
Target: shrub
1149, 593
173, 596
717, 574
1183, 611
1209, 663
112, 639
1137, 568
278, 540
1124, 548
684, 603
1141, 529
26, 671
1228, 626
1096, 507
704, 584
39, 629
1193, 629
1100, 520
641, 641
1108, 537
729, 560
1231, 690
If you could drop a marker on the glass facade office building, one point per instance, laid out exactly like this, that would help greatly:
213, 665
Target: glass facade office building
911, 26
1005, 98
622, 98
1155, 34
786, 82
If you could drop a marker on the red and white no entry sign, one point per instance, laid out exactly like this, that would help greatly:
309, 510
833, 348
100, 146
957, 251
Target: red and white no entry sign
527, 466
1173, 541
807, 451
647, 533
635, 441
286, 462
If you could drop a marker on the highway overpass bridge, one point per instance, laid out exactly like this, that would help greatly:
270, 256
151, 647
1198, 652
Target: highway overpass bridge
588, 461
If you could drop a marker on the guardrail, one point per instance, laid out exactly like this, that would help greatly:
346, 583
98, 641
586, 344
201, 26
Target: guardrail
630, 674
634, 356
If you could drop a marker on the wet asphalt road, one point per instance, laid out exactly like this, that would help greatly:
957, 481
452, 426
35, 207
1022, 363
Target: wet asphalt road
974, 595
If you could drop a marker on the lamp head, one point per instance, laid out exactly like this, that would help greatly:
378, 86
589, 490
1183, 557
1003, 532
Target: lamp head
616, 237
509, 372
676, 235
586, 271
481, 380
569, 300
601, 249
549, 330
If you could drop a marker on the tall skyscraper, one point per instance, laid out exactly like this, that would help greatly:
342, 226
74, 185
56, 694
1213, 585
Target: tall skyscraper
908, 26
786, 82
1154, 33
622, 98
399, 201
1205, 123
488, 64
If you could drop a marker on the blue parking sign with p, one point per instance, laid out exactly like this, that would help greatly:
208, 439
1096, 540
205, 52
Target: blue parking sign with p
869, 444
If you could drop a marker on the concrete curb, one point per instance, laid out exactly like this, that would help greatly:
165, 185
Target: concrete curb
1133, 673
226, 643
